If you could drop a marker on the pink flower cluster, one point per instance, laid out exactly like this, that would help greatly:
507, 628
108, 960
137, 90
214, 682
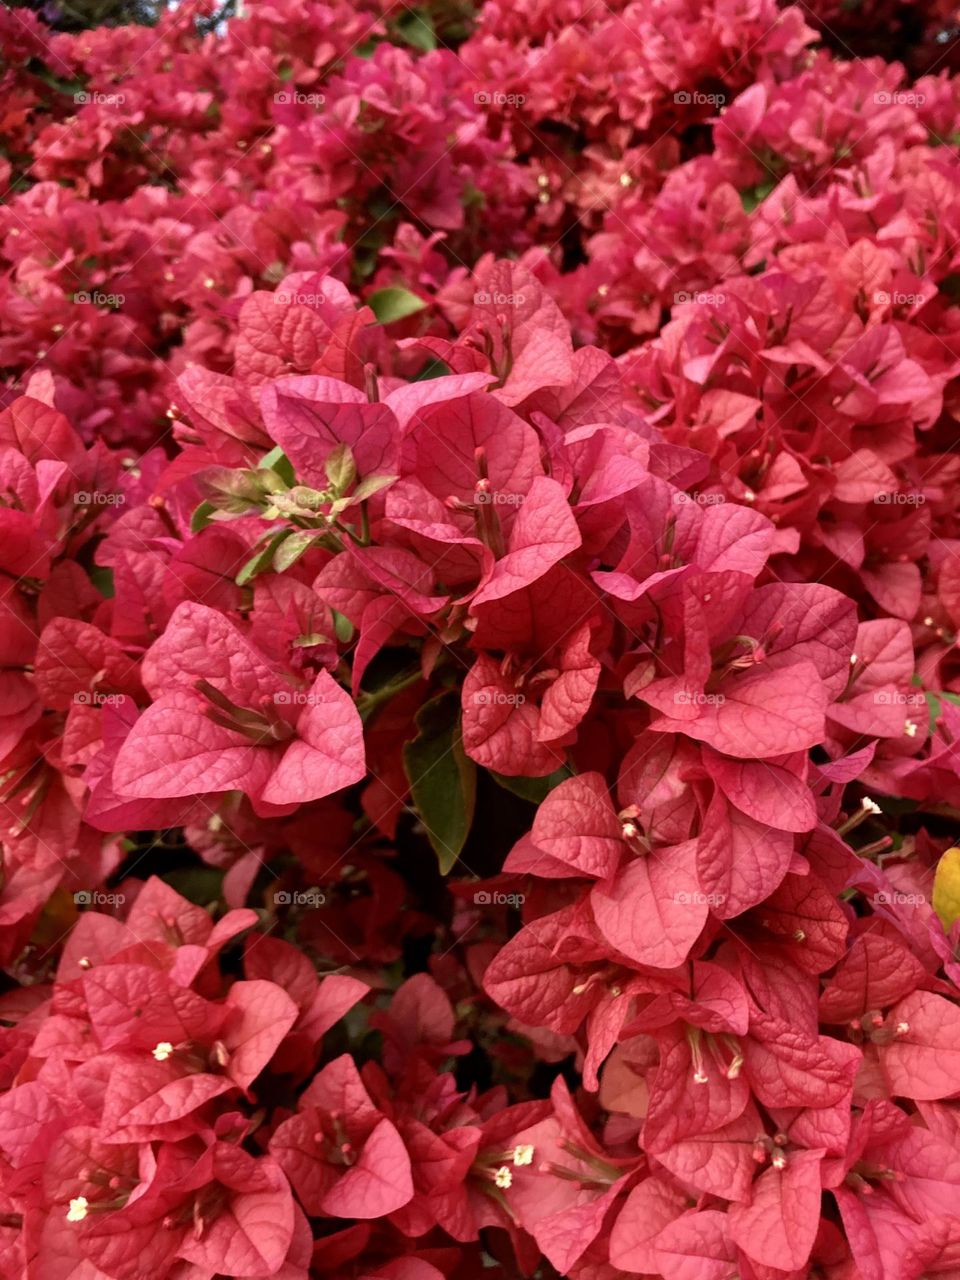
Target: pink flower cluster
480, 595
157, 178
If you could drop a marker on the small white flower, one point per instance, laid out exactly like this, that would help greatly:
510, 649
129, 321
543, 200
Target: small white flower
163, 1051
78, 1209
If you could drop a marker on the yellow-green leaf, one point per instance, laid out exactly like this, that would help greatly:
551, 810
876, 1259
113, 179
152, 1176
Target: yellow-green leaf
946, 887
395, 303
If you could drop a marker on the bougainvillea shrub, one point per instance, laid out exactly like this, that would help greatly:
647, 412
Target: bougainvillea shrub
480, 596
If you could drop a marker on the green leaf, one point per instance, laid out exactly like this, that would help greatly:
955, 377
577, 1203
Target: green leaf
535, 790
935, 703
42, 72
199, 885
443, 780
202, 517
756, 195
395, 303
340, 468
291, 549
263, 558
308, 642
933, 706
276, 460
102, 578
342, 626
432, 369
416, 29
370, 485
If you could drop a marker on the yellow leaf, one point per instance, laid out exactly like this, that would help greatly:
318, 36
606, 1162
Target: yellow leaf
946, 887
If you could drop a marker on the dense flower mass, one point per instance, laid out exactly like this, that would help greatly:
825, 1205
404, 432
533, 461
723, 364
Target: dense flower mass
479, 698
